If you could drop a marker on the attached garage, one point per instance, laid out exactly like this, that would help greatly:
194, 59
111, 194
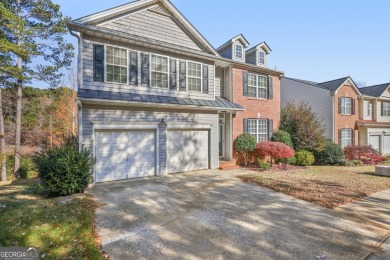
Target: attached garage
386, 144
125, 154
188, 150
375, 142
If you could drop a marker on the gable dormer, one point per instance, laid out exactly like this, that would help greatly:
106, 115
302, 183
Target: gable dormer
258, 55
234, 48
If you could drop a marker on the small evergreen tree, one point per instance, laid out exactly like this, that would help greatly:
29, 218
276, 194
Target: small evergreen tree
282, 137
244, 144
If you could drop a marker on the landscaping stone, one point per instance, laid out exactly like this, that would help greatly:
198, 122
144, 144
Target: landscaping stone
382, 170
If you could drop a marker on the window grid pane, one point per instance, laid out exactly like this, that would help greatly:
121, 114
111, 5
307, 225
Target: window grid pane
194, 77
116, 65
261, 57
346, 106
257, 86
258, 129
239, 51
386, 108
346, 137
159, 71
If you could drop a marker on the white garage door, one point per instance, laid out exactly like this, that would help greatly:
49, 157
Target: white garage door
124, 155
386, 144
187, 150
375, 141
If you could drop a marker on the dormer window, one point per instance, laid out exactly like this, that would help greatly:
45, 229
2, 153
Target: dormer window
239, 51
261, 57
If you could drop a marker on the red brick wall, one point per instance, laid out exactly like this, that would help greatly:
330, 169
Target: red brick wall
346, 121
268, 109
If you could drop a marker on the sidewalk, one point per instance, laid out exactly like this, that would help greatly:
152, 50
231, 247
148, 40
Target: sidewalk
375, 208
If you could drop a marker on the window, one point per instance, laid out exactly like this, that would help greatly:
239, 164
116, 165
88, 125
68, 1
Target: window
239, 51
116, 64
346, 137
369, 108
194, 77
261, 58
346, 106
259, 129
159, 71
257, 86
386, 108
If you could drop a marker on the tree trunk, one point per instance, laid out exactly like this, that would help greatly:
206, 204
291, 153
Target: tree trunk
18, 110
2, 142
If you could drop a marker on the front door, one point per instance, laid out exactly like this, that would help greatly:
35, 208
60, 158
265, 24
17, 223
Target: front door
221, 139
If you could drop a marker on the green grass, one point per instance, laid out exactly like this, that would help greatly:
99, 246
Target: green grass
59, 230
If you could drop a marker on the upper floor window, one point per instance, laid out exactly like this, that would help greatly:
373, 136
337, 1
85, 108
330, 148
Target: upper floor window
385, 108
261, 57
257, 86
258, 128
346, 106
369, 108
239, 51
159, 71
346, 137
194, 76
116, 65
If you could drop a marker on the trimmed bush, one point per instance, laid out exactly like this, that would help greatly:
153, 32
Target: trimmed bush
244, 144
275, 150
351, 163
332, 154
282, 137
263, 165
366, 154
64, 170
304, 158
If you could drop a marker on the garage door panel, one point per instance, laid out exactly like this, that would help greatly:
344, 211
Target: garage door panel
386, 144
375, 141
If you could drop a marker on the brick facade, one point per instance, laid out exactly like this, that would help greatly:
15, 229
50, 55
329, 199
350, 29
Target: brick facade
346, 121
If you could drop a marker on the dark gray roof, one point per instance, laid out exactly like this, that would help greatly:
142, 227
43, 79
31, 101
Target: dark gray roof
218, 103
375, 91
332, 85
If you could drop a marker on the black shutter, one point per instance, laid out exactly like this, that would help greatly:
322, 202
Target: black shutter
145, 69
340, 137
205, 79
353, 106
340, 105
98, 62
182, 76
270, 88
353, 137
133, 68
270, 129
172, 74
245, 82
245, 125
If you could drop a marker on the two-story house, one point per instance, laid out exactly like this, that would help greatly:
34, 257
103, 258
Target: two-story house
335, 102
374, 122
155, 97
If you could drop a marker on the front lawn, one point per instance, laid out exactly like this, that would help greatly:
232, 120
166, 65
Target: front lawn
59, 228
327, 186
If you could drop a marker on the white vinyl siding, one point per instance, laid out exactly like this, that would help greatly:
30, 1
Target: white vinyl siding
257, 86
258, 128
346, 137
386, 108
346, 106
239, 53
159, 71
194, 76
116, 65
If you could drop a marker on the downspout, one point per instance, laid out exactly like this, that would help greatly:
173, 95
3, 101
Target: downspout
333, 95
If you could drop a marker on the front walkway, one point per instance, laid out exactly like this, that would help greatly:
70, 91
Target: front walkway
375, 208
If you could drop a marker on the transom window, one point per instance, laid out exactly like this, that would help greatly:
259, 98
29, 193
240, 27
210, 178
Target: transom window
116, 65
239, 51
346, 137
386, 108
159, 71
194, 77
262, 57
257, 86
369, 108
258, 128
346, 106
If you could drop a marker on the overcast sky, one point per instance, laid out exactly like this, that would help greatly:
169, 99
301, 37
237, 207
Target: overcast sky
316, 40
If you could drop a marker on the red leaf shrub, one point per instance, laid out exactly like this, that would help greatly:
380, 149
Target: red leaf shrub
365, 153
275, 150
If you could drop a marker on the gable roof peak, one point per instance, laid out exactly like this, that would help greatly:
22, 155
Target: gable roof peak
262, 45
375, 90
239, 37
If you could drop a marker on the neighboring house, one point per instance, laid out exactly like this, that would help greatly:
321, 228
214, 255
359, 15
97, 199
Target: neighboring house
156, 98
374, 122
336, 102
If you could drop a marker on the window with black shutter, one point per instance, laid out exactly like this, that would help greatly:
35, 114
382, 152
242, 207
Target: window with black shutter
98, 62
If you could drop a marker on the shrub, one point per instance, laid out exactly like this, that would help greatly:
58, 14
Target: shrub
244, 144
64, 170
263, 165
282, 137
366, 154
275, 150
292, 160
27, 168
351, 163
331, 154
304, 158
304, 126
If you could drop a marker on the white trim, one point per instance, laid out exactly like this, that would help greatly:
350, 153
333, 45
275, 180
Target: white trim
150, 69
187, 126
105, 64
353, 84
235, 45
201, 76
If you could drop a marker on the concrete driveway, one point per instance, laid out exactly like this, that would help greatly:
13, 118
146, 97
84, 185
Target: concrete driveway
213, 215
